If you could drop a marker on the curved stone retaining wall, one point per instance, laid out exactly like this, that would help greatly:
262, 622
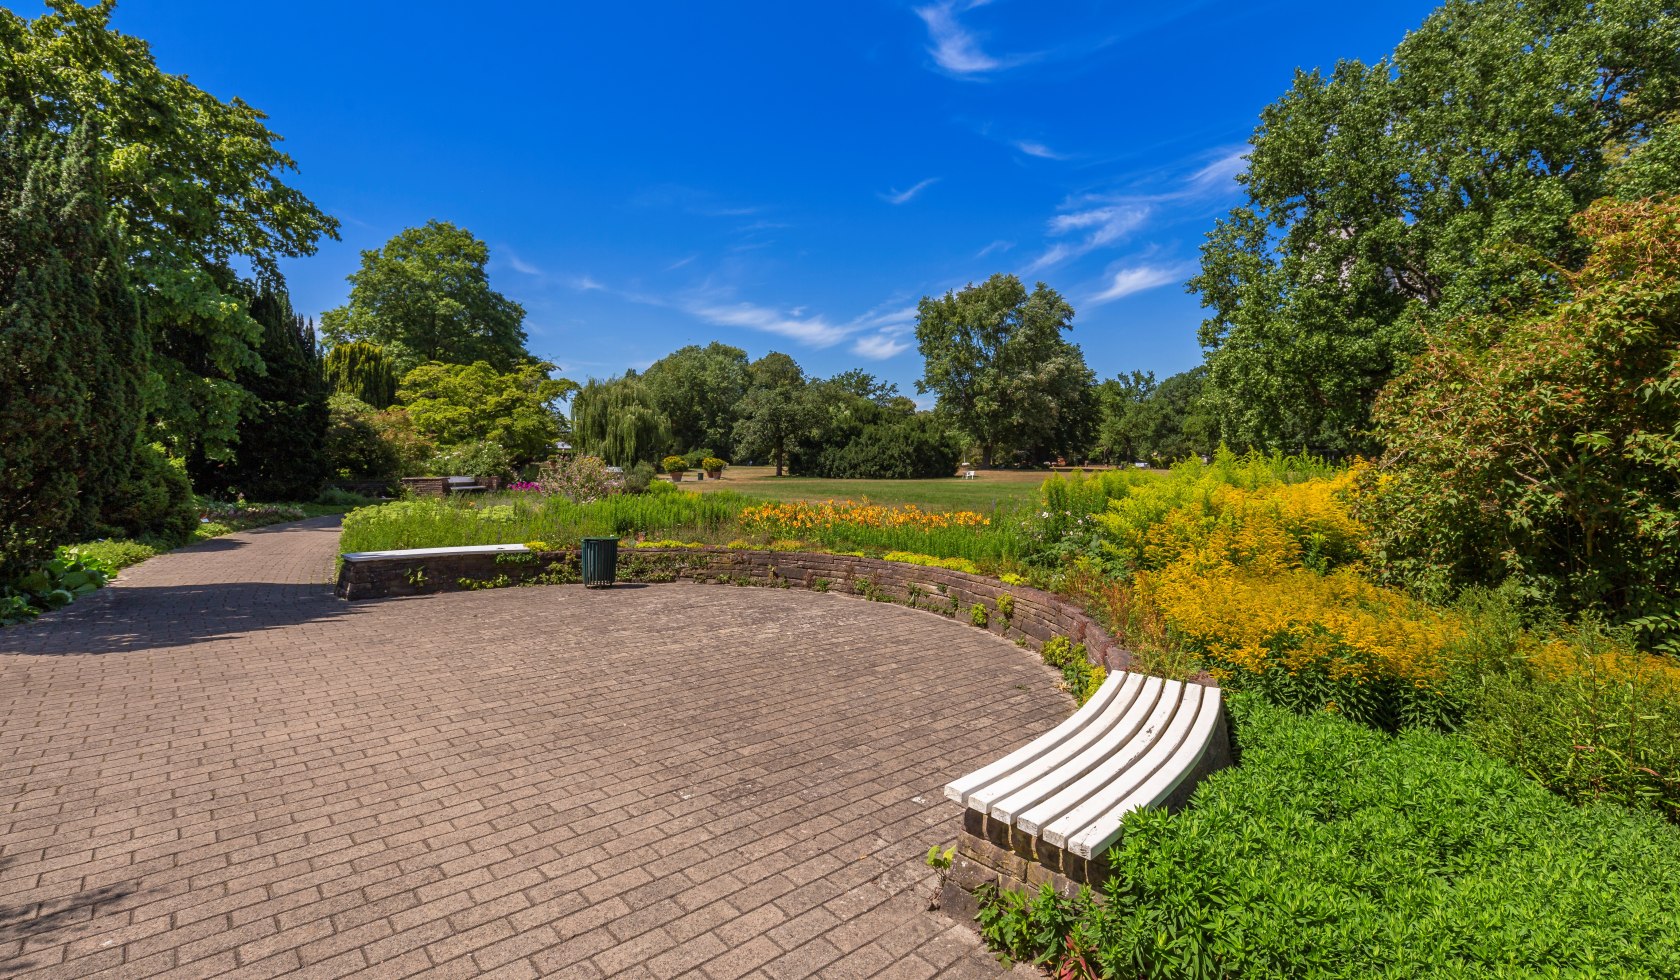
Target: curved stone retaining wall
1037, 616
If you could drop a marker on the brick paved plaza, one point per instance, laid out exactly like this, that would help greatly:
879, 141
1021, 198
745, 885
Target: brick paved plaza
216, 768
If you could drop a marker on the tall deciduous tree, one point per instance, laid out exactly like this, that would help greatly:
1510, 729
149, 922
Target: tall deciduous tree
518, 410
199, 183
72, 351
996, 357
425, 296
1374, 194
618, 421
777, 410
698, 388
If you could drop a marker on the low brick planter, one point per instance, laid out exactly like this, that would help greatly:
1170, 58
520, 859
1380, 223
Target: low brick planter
1037, 617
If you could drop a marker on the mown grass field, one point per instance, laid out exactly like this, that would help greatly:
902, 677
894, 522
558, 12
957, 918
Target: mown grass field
991, 489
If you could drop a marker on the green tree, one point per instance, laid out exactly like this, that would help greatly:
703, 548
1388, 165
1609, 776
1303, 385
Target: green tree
996, 357
72, 351
1544, 447
698, 388
280, 453
363, 371
618, 421
1143, 419
460, 403
199, 184
1375, 193
777, 410
425, 296
355, 448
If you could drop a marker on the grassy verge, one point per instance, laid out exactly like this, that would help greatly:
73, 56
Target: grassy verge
991, 491
1335, 850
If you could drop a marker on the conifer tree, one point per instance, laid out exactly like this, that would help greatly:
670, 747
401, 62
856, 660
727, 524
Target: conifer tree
72, 349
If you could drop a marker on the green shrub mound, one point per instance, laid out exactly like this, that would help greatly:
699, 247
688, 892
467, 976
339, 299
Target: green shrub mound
1334, 850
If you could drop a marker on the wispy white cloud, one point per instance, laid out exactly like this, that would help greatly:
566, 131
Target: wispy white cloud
1218, 175
813, 330
1036, 149
1102, 226
584, 284
997, 246
955, 48
678, 264
522, 267
880, 346
1128, 280
896, 197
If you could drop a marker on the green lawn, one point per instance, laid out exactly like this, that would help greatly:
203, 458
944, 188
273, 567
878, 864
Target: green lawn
950, 493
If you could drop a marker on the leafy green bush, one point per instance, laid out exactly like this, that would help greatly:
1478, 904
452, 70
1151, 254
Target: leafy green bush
481, 459
674, 464
912, 447
355, 448
1542, 446
339, 497
59, 581
156, 500
118, 553
1079, 676
1334, 850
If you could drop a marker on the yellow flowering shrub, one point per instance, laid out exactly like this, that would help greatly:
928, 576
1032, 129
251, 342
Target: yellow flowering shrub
929, 561
804, 516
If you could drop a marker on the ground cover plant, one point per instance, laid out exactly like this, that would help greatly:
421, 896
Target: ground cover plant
993, 491
1336, 850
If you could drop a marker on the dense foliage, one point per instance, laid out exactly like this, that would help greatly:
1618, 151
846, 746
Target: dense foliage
425, 296
1544, 447
198, 183
1005, 376
618, 421
280, 451
1383, 197
72, 349
1334, 850
516, 409
363, 371
697, 389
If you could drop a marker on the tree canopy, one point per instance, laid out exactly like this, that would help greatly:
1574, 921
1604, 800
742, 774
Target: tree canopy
698, 389
425, 296
199, 184
1545, 447
1384, 197
72, 352
457, 403
996, 357
618, 421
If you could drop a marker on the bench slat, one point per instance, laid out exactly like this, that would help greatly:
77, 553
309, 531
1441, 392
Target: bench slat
959, 790
1117, 756
1101, 833
1145, 716
1120, 711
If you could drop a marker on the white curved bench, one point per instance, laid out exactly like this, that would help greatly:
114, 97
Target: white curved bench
1060, 800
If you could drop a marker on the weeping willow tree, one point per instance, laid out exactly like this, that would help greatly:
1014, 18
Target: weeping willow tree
619, 422
362, 370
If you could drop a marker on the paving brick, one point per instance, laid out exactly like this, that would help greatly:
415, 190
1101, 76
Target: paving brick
216, 767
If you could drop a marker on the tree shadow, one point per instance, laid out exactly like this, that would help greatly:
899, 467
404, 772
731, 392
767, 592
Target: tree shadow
28, 924
147, 617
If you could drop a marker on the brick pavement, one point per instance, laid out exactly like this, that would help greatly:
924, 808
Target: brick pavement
214, 767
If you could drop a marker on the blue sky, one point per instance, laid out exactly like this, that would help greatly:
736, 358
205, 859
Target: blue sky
778, 176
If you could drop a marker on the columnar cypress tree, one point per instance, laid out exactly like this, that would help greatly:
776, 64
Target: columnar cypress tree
72, 348
363, 371
280, 453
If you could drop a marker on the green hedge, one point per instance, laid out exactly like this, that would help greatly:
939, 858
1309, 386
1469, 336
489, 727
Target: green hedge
1333, 850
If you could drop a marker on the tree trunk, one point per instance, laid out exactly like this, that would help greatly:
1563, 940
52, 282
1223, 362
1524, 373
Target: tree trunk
986, 456
779, 455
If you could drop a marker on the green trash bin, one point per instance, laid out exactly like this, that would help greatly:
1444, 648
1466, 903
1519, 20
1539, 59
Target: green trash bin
600, 562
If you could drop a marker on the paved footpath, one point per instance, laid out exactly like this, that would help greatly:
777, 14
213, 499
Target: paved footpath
216, 768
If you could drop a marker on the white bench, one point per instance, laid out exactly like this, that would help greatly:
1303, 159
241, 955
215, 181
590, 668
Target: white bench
1138, 742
